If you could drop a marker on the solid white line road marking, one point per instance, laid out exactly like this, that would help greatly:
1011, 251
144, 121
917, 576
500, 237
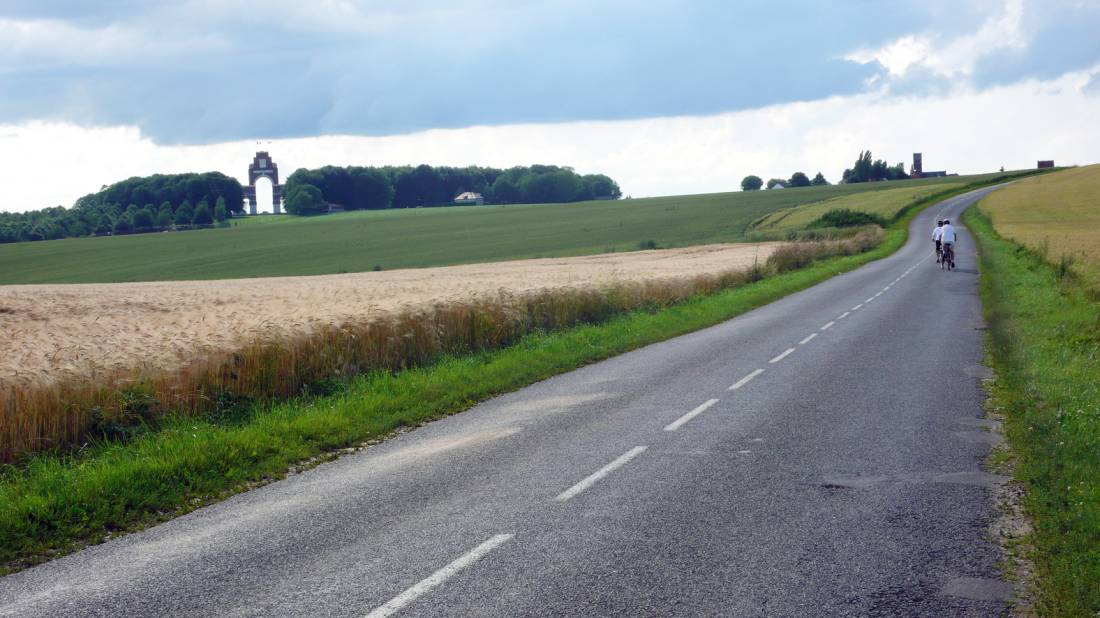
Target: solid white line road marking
745, 380
807, 339
781, 356
599, 474
856, 308
395, 604
844, 315
828, 326
674, 425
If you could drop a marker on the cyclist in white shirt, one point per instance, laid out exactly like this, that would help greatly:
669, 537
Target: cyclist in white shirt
936, 233
948, 237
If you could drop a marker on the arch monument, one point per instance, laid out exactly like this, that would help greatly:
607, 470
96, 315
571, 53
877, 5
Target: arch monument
263, 167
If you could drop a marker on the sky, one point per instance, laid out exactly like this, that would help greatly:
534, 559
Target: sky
667, 97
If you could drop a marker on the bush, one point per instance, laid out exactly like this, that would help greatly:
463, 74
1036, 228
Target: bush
751, 183
844, 217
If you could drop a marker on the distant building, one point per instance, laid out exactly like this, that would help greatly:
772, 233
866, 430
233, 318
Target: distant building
917, 171
777, 185
1046, 164
469, 197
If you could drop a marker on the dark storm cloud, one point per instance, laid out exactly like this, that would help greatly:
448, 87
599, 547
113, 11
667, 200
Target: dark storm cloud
207, 70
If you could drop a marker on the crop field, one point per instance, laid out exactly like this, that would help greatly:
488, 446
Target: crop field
77, 332
885, 203
363, 241
1057, 214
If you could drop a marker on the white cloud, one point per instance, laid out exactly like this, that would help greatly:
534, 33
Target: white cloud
950, 57
966, 131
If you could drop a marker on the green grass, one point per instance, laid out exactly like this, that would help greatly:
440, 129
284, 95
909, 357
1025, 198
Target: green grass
1045, 347
360, 241
885, 203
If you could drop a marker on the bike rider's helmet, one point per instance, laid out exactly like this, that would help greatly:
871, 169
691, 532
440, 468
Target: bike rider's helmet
947, 222
939, 222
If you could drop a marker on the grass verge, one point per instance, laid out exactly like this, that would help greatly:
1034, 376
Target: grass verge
1045, 348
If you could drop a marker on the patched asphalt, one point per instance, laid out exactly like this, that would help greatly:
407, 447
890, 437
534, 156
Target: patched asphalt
844, 480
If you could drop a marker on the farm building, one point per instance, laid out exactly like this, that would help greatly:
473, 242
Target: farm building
469, 197
1046, 164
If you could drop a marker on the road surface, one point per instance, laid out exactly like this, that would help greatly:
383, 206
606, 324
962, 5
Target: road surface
821, 455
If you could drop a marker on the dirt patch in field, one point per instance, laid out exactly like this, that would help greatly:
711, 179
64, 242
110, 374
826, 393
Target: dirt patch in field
81, 331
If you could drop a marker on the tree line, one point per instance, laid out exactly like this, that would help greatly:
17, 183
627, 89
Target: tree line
377, 188
797, 179
864, 170
135, 205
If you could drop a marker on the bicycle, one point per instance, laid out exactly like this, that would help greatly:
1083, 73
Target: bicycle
948, 259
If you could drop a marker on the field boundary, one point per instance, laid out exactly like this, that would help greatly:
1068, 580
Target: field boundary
1045, 351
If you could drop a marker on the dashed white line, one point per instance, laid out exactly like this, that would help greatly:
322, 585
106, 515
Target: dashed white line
828, 326
807, 339
395, 604
674, 425
781, 356
844, 315
591, 479
869, 300
856, 308
745, 380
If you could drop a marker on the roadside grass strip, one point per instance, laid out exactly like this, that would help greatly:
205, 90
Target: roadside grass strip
1044, 345
52, 504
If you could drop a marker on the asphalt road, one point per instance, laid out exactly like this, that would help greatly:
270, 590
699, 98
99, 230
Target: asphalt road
821, 455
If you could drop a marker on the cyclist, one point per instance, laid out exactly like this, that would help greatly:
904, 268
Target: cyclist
948, 237
937, 232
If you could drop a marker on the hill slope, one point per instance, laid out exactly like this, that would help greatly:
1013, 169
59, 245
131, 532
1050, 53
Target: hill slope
360, 241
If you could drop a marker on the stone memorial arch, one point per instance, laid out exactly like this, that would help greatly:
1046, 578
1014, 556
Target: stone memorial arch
263, 167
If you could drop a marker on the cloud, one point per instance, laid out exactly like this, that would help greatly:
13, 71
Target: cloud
1016, 40
962, 131
953, 57
195, 71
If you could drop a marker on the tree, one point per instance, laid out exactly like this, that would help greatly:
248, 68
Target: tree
505, 191
102, 226
819, 180
123, 224
772, 182
220, 211
184, 214
164, 216
143, 220
798, 179
371, 189
599, 186
305, 200
751, 183
202, 214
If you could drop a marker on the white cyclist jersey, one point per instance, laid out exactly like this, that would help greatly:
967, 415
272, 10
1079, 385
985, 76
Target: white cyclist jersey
937, 232
948, 233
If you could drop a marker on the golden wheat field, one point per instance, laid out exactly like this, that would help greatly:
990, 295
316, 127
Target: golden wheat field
1058, 212
69, 333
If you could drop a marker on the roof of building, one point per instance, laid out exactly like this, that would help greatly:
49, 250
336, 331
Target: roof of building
468, 195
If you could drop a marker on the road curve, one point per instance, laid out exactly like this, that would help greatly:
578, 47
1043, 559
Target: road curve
821, 455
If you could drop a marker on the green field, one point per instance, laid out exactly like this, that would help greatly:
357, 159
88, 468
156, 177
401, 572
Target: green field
885, 203
362, 241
